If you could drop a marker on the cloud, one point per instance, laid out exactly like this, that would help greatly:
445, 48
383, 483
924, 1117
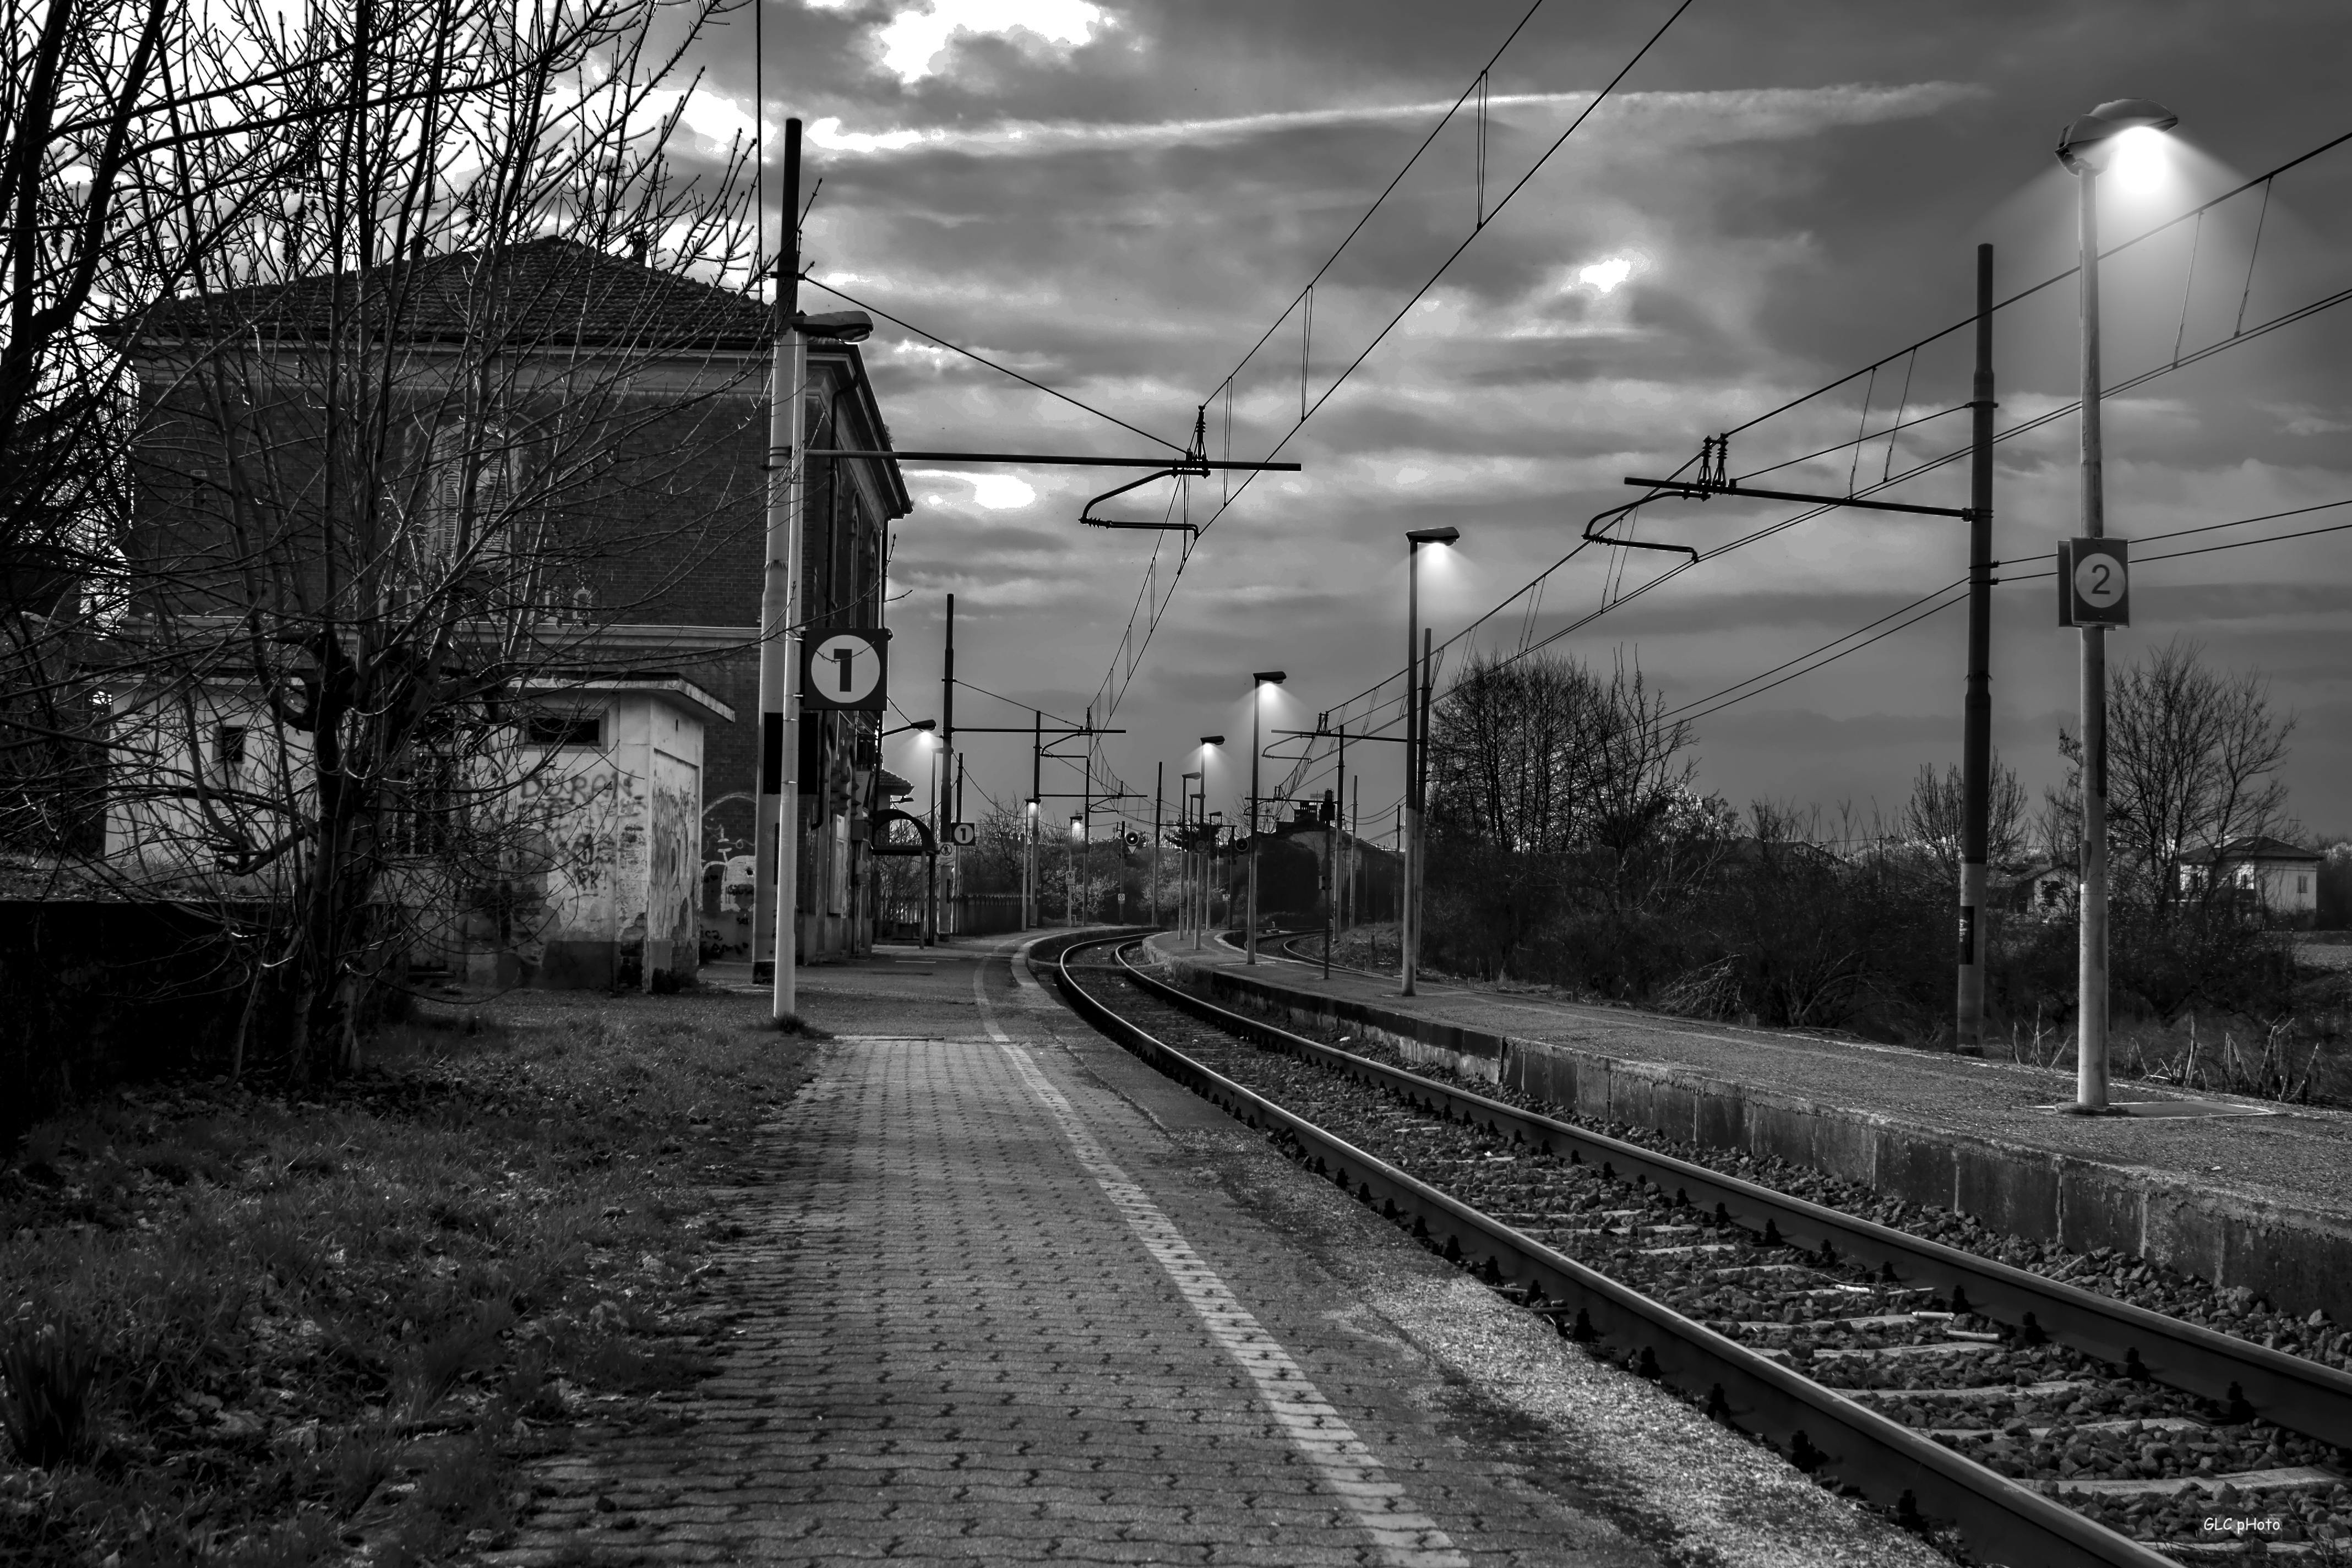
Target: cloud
912, 41
1659, 120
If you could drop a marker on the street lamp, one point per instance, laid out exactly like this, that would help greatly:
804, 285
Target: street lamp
1216, 831
1029, 871
2085, 147
1070, 878
1259, 681
927, 737
1189, 873
1416, 697
1208, 856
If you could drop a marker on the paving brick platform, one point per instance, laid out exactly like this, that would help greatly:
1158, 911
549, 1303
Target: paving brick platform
2262, 1200
1004, 1298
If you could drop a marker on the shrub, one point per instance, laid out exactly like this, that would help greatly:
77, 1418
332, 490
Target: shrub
46, 1376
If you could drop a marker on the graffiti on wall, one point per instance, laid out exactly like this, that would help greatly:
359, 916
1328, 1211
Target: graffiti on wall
677, 859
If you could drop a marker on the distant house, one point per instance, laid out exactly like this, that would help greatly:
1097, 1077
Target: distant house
2041, 887
2282, 879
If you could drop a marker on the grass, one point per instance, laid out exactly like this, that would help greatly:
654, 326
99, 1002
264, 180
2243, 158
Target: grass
312, 1325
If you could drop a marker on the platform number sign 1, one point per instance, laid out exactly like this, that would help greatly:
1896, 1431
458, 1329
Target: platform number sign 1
2095, 583
844, 670
963, 835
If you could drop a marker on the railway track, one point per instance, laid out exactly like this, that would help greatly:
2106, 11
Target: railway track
2018, 1419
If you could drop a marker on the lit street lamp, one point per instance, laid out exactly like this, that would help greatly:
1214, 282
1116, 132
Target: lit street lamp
1216, 831
1029, 871
1415, 744
1203, 858
1258, 683
2085, 147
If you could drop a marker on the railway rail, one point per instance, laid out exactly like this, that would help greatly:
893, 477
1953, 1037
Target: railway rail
2029, 1421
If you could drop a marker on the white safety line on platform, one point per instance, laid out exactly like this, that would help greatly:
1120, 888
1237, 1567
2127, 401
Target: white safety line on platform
1402, 1536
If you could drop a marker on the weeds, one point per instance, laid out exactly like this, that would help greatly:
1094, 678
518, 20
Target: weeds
300, 1324
44, 1385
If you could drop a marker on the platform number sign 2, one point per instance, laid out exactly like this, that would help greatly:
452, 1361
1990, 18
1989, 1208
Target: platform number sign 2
2095, 583
844, 670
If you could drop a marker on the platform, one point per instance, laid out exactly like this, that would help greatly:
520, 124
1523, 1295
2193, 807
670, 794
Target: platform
1008, 1295
2261, 1200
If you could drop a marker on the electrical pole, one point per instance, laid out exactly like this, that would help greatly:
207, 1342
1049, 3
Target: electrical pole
776, 894
945, 746
1159, 787
955, 866
1976, 723
1339, 887
1331, 874
1087, 817
1408, 809
1037, 805
1419, 816
2091, 969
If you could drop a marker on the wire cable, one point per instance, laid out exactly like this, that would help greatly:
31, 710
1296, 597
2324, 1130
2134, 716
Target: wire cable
983, 359
1152, 625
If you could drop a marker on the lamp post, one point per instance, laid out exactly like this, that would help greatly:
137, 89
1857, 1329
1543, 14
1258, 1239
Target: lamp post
1188, 873
1208, 856
1029, 871
1216, 831
1259, 681
1069, 880
1409, 867
2085, 147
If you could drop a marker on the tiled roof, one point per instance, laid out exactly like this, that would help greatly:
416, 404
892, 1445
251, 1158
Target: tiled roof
544, 292
2262, 847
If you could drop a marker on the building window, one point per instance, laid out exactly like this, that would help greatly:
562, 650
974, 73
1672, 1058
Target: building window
558, 727
422, 807
455, 531
2302, 884
228, 753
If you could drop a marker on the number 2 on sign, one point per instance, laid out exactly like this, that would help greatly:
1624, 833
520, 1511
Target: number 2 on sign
2099, 581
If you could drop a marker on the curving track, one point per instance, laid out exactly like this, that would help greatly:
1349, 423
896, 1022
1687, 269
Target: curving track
2036, 1423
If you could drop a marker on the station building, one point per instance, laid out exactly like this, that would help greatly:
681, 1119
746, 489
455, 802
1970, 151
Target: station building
598, 500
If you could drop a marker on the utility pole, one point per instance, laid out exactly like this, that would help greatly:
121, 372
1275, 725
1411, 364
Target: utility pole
1976, 718
1037, 805
1330, 874
945, 746
775, 893
1339, 887
1087, 794
2084, 147
1420, 816
1158, 788
2091, 957
955, 866
1354, 850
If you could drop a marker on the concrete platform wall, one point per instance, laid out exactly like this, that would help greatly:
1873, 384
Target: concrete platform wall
2298, 1258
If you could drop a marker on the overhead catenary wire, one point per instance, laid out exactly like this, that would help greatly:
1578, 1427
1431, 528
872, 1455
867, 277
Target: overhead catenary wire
983, 359
1104, 691
1953, 594
1614, 599
2113, 250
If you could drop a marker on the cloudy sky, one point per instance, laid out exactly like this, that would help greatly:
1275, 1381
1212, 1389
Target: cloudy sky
1120, 199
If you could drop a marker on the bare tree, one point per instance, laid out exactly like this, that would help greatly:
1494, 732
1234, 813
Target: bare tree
1543, 754
1936, 816
2193, 756
411, 434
